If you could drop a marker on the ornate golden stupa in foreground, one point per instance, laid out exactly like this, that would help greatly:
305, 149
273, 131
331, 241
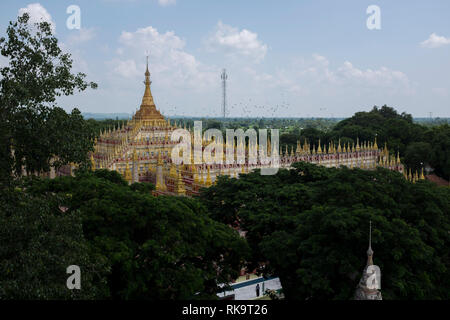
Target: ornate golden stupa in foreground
141, 152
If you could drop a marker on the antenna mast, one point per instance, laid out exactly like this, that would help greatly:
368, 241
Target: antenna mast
224, 78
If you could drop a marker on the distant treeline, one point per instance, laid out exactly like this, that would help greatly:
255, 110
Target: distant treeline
111, 119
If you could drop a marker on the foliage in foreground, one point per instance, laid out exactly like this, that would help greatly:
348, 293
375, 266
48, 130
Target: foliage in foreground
38, 242
310, 227
155, 247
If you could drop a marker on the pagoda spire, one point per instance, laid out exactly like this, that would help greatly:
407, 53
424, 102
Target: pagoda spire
147, 99
370, 284
370, 251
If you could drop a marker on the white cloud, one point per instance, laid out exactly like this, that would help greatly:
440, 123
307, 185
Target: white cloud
181, 84
321, 60
435, 41
314, 83
125, 68
234, 41
166, 2
383, 77
37, 14
315, 78
82, 35
151, 36
169, 61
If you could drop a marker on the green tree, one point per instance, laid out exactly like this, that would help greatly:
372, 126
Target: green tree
439, 158
309, 226
397, 130
39, 241
417, 154
37, 73
158, 247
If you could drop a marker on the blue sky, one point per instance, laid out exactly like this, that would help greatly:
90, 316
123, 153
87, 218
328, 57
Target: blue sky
284, 58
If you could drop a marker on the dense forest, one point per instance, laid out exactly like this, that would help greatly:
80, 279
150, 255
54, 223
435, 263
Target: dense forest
308, 225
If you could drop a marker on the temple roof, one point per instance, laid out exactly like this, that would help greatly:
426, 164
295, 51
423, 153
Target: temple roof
148, 110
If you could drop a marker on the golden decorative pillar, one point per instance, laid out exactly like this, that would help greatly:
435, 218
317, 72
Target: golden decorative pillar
92, 162
208, 181
179, 185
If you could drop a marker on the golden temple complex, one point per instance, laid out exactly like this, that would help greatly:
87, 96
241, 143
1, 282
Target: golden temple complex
140, 151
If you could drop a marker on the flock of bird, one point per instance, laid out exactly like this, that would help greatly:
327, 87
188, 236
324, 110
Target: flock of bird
245, 109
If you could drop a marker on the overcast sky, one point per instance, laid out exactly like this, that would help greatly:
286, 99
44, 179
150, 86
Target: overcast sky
283, 58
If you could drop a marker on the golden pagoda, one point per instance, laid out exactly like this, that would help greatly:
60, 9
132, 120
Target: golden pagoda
140, 149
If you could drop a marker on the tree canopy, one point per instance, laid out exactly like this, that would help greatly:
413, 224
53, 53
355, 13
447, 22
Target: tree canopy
156, 247
309, 226
39, 240
37, 73
419, 145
